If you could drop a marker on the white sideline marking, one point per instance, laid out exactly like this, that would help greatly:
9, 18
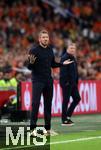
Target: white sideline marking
76, 140
58, 142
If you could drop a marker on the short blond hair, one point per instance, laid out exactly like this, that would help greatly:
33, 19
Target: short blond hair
44, 31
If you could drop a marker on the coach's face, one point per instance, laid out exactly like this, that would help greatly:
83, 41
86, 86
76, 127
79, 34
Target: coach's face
72, 49
44, 39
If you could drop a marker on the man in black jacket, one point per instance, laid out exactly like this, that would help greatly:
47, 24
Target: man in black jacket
41, 59
69, 85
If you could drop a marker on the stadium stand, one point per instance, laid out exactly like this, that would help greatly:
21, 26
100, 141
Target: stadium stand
66, 20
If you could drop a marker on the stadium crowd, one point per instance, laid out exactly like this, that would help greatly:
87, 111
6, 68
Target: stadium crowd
75, 20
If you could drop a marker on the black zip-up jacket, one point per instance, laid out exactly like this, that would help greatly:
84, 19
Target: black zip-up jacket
69, 73
41, 69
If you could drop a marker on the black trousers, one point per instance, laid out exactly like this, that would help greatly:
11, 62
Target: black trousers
37, 89
67, 91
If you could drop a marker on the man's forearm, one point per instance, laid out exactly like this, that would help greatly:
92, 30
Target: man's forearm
56, 64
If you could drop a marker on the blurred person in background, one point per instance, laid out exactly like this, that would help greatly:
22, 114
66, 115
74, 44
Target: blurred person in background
2, 82
58, 50
69, 85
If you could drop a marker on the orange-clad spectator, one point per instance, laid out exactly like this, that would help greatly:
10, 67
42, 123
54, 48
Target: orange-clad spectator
1, 50
76, 11
87, 10
12, 12
24, 26
97, 26
98, 76
36, 9
94, 56
1, 11
49, 25
13, 39
24, 42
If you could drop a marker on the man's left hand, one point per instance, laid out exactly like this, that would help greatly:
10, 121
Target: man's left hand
67, 62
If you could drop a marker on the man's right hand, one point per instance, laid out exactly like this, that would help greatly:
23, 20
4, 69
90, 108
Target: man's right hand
31, 58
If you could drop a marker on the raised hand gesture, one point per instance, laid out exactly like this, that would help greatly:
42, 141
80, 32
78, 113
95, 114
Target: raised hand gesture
68, 61
32, 58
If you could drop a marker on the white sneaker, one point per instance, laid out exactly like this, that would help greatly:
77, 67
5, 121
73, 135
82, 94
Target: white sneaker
53, 133
50, 133
45, 131
33, 133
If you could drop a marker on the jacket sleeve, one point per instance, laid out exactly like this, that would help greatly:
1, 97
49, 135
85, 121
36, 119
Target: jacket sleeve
69, 70
30, 66
64, 75
55, 64
72, 75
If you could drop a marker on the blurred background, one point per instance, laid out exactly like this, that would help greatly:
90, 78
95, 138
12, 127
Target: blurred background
66, 21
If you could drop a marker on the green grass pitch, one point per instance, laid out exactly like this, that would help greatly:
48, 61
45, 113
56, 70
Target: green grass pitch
84, 135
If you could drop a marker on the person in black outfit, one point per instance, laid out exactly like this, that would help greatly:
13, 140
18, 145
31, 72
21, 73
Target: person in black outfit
69, 85
41, 59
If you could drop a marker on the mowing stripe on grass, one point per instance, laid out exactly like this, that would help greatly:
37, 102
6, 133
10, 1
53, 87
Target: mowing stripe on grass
58, 142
